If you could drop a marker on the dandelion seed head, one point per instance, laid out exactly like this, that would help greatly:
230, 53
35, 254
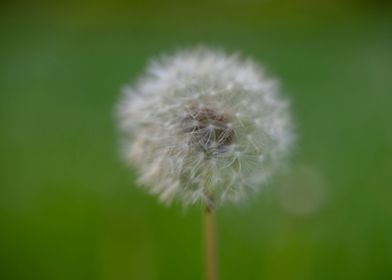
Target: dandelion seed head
202, 126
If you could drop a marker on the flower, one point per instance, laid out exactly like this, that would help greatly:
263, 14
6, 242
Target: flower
204, 126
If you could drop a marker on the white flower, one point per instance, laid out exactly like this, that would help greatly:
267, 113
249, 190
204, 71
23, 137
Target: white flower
204, 126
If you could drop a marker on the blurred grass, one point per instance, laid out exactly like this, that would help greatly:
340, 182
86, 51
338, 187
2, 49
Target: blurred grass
68, 207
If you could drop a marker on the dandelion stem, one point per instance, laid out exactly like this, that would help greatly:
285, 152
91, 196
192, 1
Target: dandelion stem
210, 245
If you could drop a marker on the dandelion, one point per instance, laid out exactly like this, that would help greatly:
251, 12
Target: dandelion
204, 127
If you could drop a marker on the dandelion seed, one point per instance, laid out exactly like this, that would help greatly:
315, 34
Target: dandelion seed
202, 126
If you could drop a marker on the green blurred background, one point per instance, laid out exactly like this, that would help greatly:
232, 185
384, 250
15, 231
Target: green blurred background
69, 208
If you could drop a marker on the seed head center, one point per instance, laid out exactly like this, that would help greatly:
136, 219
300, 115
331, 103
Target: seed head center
208, 130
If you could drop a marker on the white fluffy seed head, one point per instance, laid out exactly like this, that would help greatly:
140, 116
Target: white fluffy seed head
204, 126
